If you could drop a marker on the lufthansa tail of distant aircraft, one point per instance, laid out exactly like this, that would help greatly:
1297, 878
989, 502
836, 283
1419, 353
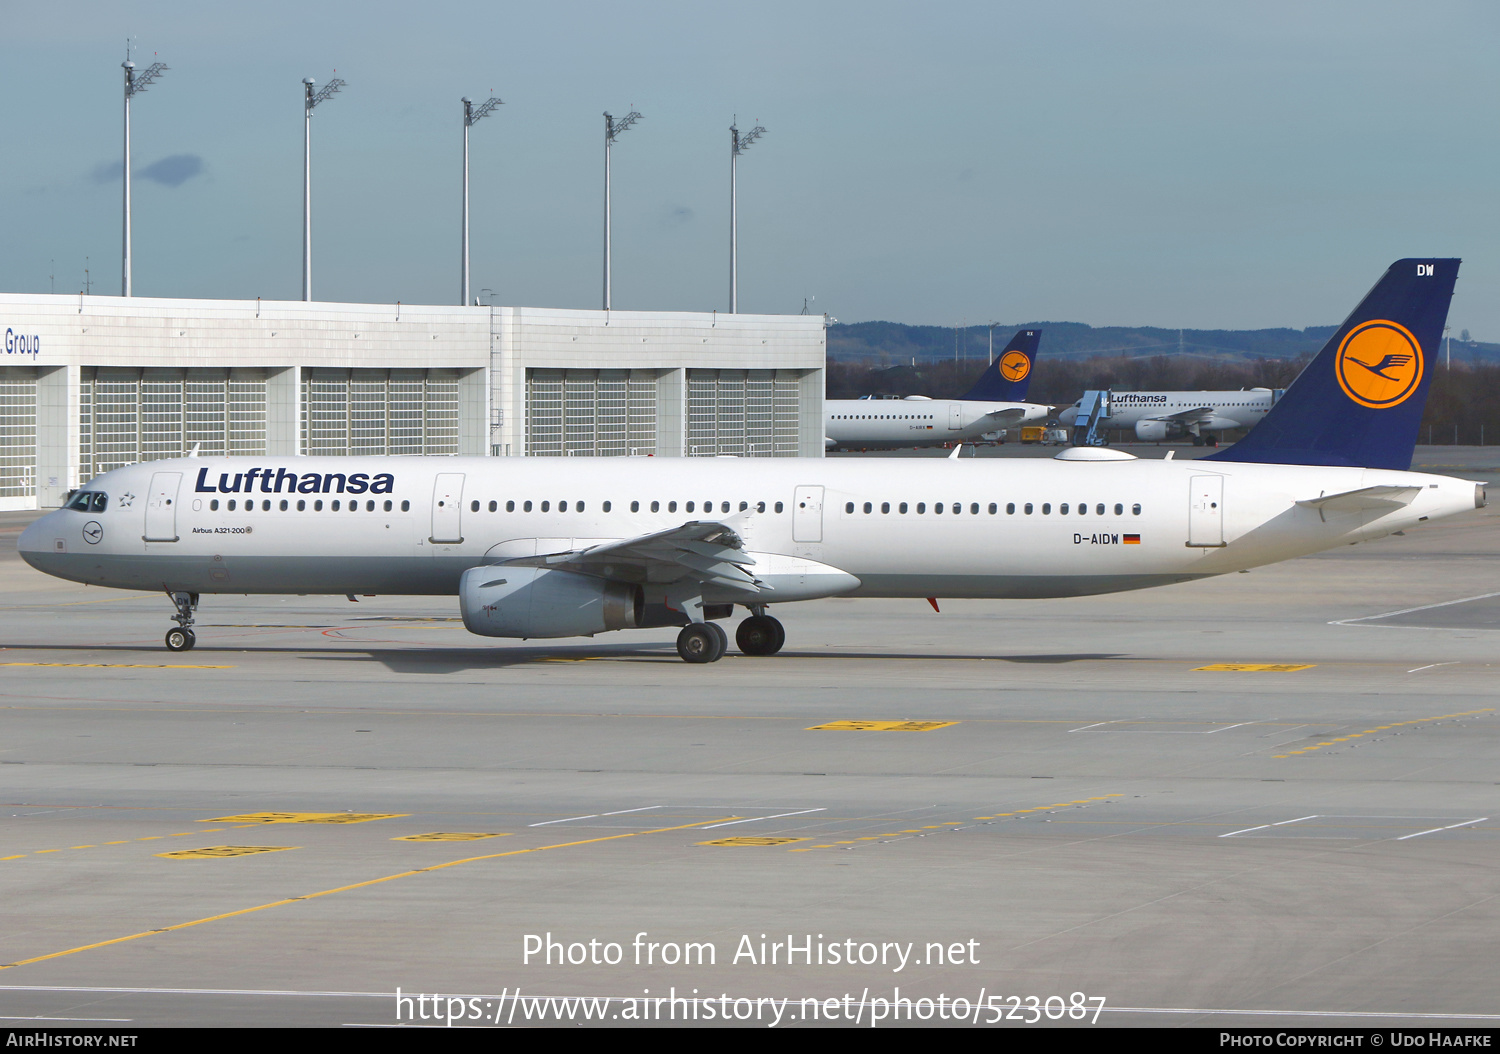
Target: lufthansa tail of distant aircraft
1359, 403
1008, 378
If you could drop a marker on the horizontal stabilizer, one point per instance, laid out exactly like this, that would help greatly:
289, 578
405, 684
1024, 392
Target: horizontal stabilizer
1366, 498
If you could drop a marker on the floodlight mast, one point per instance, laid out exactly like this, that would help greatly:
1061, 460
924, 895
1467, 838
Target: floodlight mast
612, 130
134, 84
310, 101
738, 144
470, 116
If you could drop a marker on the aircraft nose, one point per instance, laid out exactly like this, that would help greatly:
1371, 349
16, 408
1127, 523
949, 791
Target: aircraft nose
34, 539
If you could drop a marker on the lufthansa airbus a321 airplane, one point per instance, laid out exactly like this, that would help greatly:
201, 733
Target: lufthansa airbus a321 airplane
561, 548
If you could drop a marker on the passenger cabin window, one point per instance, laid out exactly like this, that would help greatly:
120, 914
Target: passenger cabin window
494, 506
405, 506
510, 506
213, 505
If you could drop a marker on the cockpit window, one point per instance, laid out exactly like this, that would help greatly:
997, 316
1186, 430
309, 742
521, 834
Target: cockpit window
88, 501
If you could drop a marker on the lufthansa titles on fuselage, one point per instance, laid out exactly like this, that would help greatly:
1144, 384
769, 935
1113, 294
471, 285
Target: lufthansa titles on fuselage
296, 483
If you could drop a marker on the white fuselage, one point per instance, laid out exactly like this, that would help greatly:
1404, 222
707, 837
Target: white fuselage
902, 527
1221, 410
879, 424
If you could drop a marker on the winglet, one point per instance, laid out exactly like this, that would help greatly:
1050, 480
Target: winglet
1008, 378
1359, 402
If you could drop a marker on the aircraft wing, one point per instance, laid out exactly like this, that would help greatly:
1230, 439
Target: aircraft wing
1005, 418
1186, 417
1373, 498
709, 553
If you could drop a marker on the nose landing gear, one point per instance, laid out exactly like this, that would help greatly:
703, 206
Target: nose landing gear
182, 638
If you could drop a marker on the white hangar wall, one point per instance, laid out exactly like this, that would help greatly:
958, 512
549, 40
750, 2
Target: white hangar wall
89, 383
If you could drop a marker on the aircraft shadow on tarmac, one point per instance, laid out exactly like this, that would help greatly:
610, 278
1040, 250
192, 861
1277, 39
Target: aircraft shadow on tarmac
459, 660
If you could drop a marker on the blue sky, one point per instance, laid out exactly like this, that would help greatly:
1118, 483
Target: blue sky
1173, 164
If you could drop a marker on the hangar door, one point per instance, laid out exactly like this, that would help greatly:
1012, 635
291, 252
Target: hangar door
747, 413
17, 437
127, 415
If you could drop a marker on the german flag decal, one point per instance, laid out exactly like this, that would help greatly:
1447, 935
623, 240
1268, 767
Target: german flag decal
1132, 539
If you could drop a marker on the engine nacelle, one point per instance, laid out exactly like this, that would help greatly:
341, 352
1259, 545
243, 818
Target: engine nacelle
500, 600
1151, 431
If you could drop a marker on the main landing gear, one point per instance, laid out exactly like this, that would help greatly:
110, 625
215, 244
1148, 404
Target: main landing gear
183, 638
702, 642
760, 634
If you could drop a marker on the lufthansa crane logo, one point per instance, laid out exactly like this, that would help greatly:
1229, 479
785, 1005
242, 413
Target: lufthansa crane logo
1379, 364
1014, 365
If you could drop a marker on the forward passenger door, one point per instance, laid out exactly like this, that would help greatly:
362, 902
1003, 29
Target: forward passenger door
161, 507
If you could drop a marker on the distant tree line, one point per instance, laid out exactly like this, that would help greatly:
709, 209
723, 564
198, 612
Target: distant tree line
1462, 402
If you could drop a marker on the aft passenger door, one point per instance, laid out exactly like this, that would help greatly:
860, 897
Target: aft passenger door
807, 514
161, 507
955, 415
1206, 512
448, 507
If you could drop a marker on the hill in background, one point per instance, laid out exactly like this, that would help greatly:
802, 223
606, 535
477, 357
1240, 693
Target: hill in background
894, 343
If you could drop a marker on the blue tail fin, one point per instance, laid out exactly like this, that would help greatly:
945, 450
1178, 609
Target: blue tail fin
1360, 401
1007, 379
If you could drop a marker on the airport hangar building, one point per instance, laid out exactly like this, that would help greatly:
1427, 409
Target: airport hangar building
91, 383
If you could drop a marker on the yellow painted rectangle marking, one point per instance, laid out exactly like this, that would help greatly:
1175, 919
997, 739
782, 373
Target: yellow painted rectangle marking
122, 665
1253, 667
752, 840
881, 726
449, 836
215, 852
305, 817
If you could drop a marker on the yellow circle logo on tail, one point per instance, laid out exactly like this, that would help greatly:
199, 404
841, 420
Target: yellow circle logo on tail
1379, 364
1014, 365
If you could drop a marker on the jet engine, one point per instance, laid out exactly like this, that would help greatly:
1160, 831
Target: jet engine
500, 600
1151, 431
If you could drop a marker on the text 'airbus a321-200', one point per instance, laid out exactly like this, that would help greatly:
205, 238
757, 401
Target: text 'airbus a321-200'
544, 548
